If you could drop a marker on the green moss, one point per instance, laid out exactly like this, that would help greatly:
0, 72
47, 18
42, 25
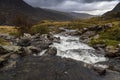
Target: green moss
112, 34
104, 41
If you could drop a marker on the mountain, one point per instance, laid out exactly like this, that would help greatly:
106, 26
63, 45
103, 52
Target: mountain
117, 7
81, 15
10, 8
115, 13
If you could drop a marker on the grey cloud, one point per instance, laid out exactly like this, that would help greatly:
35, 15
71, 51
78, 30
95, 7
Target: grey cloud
45, 3
75, 5
89, 1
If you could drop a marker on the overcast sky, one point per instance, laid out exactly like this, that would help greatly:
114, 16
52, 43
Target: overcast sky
94, 7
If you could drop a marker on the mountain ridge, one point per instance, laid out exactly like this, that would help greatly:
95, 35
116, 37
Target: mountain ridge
10, 8
114, 13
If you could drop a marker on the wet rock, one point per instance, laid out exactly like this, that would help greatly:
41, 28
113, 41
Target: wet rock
114, 64
97, 46
12, 48
98, 28
62, 29
24, 42
24, 51
5, 57
97, 36
49, 68
56, 39
118, 46
34, 50
52, 51
86, 37
84, 30
3, 50
112, 52
26, 35
100, 71
14, 56
11, 62
41, 42
111, 75
74, 33
50, 36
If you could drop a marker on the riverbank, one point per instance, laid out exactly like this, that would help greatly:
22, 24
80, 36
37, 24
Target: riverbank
30, 50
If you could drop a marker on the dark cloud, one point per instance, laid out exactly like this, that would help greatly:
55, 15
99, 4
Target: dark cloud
89, 6
89, 1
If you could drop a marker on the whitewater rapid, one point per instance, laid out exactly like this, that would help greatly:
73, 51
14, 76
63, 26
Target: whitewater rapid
71, 47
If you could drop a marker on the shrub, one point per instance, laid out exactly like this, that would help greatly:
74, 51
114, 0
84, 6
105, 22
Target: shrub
40, 29
22, 24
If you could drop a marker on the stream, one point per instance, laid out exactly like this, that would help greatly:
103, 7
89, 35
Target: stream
71, 47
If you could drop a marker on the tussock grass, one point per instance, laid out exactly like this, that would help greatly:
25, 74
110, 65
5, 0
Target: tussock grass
7, 29
4, 42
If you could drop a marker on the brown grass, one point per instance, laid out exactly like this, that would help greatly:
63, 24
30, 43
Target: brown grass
7, 29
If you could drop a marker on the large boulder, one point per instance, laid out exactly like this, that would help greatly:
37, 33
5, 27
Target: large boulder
49, 68
52, 51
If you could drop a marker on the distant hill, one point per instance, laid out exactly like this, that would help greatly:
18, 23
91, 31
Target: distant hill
81, 15
10, 8
115, 13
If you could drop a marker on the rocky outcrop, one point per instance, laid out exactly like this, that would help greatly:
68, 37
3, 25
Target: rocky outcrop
25, 46
93, 32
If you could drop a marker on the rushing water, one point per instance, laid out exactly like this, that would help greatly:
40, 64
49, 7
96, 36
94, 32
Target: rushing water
71, 47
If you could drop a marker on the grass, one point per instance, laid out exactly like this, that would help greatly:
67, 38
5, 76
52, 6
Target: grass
107, 42
7, 29
4, 42
110, 37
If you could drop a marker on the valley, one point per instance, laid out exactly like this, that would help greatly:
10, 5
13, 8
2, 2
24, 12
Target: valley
44, 44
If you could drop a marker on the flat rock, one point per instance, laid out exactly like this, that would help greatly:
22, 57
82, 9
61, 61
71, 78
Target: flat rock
49, 68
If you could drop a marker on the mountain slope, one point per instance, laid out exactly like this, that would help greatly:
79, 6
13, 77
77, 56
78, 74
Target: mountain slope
81, 15
117, 7
10, 8
115, 13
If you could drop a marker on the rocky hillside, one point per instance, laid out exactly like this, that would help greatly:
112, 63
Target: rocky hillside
115, 13
10, 8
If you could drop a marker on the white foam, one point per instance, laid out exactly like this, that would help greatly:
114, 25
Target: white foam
71, 47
